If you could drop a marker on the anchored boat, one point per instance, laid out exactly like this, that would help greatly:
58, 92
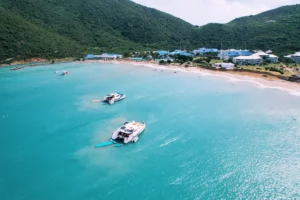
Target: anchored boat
129, 132
62, 73
113, 97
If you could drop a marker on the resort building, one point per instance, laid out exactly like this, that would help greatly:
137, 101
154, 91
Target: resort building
228, 66
255, 59
295, 57
272, 58
248, 60
180, 52
162, 52
138, 59
203, 51
104, 56
231, 53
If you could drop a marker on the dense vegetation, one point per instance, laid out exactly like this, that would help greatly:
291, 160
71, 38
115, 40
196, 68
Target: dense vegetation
276, 29
62, 28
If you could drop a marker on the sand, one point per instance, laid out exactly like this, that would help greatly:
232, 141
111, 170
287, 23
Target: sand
258, 80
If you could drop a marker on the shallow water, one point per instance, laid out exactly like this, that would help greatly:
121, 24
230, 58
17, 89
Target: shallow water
206, 137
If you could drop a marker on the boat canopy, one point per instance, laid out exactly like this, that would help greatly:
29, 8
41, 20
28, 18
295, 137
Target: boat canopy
126, 130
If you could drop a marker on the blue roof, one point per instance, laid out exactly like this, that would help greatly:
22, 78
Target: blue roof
233, 53
90, 56
186, 54
140, 58
162, 52
205, 50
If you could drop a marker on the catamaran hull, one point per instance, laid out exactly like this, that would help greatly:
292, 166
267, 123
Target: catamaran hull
132, 138
122, 96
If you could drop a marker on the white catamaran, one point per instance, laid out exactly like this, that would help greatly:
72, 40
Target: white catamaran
113, 97
129, 132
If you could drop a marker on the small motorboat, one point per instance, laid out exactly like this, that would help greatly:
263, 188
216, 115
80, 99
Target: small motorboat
113, 97
62, 73
129, 132
17, 68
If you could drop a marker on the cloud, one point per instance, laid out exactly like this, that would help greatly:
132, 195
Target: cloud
200, 12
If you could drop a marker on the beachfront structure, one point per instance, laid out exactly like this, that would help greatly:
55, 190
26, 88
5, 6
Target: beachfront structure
269, 52
162, 52
294, 57
138, 59
228, 66
231, 53
203, 51
176, 52
165, 59
104, 56
180, 52
255, 59
248, 60
272, 58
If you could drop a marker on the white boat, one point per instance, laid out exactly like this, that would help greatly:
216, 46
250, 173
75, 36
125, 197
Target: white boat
129, 132
113, 97
62, 73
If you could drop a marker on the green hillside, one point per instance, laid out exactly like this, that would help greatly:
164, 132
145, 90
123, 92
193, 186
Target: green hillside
62, 28
276, 29
110, 25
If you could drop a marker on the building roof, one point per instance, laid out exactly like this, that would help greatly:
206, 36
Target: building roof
162, 52
90, 56
224, 65
234, 52
273, 56
269, 51
295, 54
261, 53
205, 50
252, 57
186, 54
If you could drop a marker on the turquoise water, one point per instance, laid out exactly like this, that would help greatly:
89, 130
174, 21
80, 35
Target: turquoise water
206, 137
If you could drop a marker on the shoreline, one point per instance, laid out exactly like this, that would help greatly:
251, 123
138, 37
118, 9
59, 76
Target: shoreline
258, 80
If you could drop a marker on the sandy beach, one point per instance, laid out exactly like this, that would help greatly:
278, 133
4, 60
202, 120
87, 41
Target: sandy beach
258, 80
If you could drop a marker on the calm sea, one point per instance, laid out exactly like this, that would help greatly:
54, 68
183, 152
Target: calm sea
206, 137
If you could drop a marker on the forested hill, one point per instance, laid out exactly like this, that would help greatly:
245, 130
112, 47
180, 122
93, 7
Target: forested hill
61, 28
277, 29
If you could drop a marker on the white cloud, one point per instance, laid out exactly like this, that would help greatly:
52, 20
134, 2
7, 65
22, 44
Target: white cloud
200, 12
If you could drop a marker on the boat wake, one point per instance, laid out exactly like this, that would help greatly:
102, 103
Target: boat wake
170, 141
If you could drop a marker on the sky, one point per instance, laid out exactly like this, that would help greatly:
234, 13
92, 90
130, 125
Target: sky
201, 12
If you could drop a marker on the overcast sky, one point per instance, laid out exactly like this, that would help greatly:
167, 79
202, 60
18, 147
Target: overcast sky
200, 12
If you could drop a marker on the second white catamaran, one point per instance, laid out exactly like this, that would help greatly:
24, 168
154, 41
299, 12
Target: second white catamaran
129, 132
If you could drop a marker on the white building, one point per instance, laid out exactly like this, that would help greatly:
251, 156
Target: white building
295, 57
250, 60
255, 59
272, 58
227, 66
231, 53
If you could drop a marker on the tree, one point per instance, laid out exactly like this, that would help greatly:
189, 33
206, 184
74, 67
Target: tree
126, 55
162, 62
208, 59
